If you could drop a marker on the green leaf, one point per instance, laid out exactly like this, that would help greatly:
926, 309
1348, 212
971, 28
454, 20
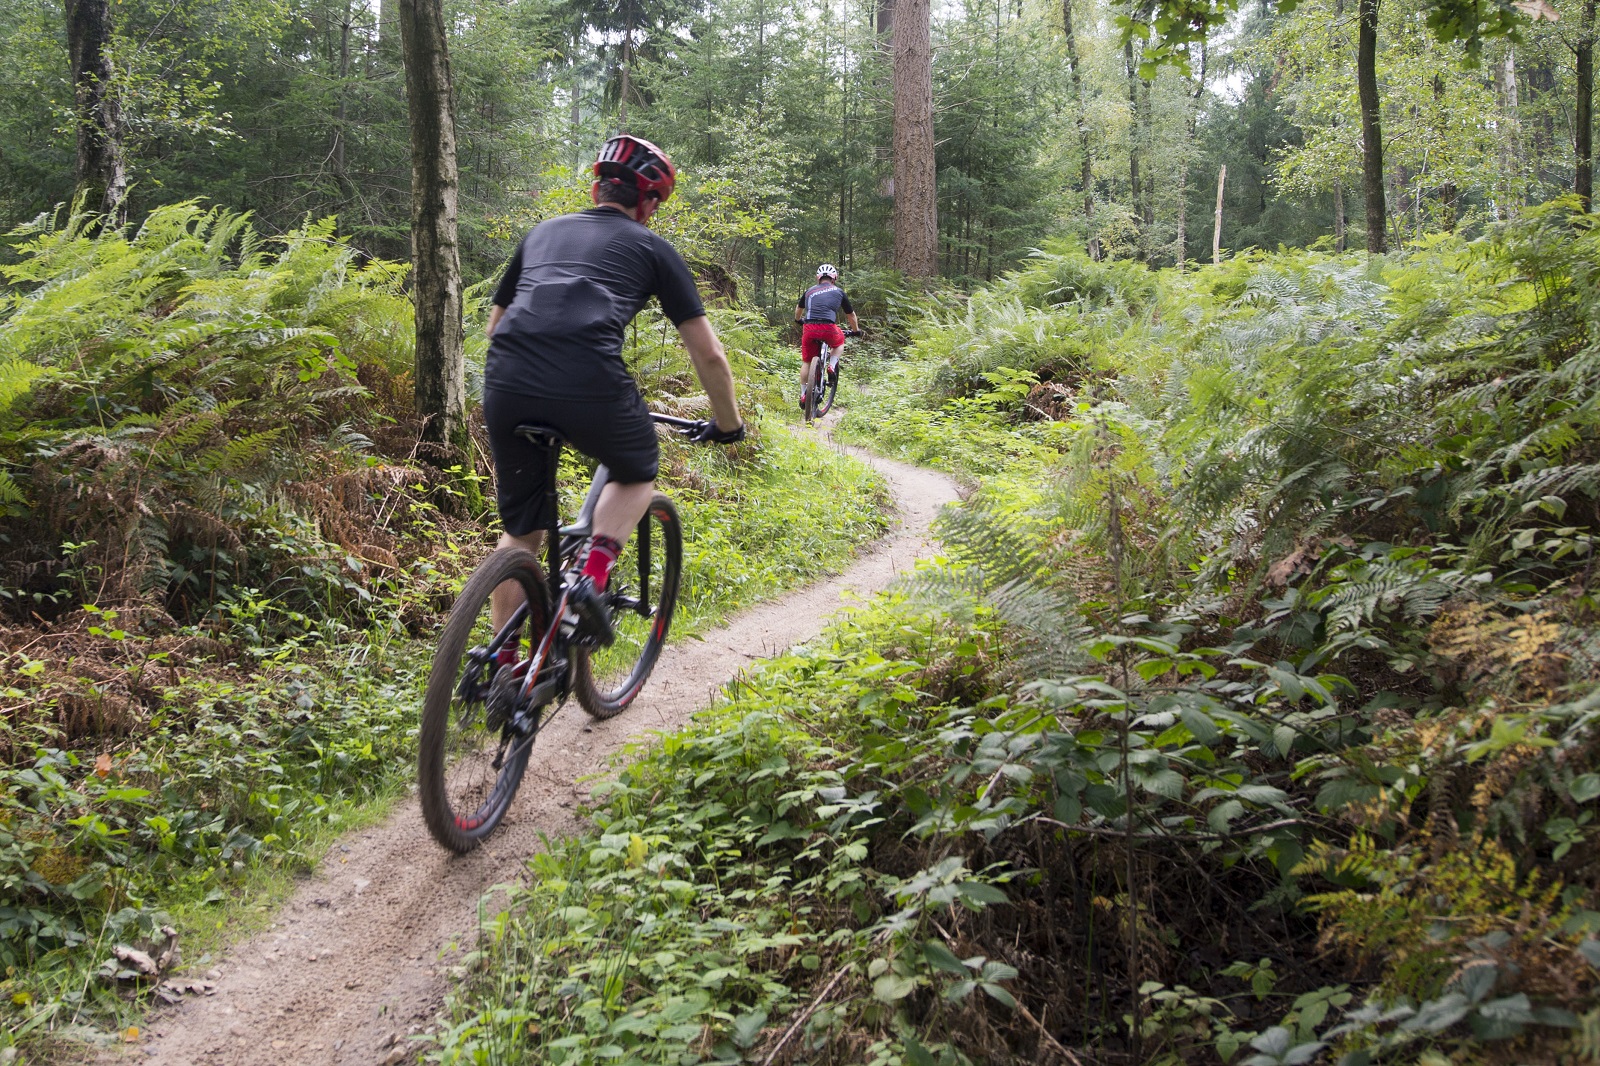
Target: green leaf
747, 1028
1200, 724
999, 994
917, 1055
1584, 788
942, 958
892, 987
978, 894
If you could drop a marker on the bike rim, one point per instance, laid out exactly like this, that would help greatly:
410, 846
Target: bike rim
483, 754
620, 670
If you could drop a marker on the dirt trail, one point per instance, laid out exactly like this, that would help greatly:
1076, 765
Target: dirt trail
359, 957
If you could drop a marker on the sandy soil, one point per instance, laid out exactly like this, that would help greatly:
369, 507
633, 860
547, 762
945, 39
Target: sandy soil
359, 958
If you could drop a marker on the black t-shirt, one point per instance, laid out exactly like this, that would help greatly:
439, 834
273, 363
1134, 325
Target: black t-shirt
822, 303
569, 292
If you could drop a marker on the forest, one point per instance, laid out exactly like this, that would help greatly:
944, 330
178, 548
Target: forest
1243, 707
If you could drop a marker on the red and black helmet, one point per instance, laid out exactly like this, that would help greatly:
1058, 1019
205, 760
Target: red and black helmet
651, 169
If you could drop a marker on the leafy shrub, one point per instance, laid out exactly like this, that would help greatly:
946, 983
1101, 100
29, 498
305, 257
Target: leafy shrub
182, 381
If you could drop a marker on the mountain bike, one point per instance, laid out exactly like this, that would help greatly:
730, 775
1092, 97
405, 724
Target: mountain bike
821, 388
480, 716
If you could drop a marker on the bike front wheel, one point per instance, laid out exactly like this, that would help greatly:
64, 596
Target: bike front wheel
642, 594
813, 373
470, 757
827, 387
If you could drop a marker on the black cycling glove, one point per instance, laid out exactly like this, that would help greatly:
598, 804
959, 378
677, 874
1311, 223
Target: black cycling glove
708, 433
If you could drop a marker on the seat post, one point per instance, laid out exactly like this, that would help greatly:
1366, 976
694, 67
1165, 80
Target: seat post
553, 531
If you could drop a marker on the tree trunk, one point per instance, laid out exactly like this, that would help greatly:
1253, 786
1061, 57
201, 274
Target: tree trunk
1371, 124
1216, 227
1511, 184
627, 77
101, 177
1583, 138
436, 277
1087, 180
916, 207
340, 111
1338, 215
885, 18
1131, 70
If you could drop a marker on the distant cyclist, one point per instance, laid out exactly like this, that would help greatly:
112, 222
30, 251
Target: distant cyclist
556, 331
819, 309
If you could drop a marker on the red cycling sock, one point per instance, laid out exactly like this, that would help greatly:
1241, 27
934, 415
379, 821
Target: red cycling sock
603, 552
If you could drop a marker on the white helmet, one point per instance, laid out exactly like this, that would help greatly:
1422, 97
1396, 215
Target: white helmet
828, 270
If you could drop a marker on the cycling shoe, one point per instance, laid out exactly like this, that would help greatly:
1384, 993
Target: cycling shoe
589, 604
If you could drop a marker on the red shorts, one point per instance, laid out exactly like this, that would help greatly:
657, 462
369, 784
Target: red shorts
815, 335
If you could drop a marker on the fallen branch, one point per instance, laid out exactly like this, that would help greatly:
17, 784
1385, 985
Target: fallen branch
1177, 838
805, 1015
1052, 1041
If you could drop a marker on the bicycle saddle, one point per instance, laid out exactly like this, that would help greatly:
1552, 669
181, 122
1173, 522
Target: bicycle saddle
541, 435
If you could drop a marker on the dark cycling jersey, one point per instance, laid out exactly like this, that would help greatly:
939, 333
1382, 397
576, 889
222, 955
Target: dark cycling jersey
822, 303
569, 292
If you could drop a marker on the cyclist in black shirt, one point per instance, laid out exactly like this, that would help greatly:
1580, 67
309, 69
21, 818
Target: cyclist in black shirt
556, 329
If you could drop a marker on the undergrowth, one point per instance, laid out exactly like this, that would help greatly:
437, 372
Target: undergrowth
222, 565
1253, 717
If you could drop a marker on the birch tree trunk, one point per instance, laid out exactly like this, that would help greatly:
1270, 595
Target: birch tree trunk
916, 205
436, 271
101, 177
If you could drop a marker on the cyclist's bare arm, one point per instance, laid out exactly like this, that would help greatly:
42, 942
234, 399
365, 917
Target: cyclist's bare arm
851, 315
799, 314
711, 366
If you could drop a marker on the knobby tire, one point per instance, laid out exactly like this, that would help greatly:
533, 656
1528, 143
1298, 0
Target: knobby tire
638, 638
463, 796
827, 388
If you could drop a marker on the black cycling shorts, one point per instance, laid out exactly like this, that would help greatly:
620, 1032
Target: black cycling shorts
618, 433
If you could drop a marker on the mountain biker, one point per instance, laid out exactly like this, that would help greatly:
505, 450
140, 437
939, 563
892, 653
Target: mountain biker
819, 309
556, 328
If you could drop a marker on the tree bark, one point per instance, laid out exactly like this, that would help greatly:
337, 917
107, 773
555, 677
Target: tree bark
885, 18
1338, 183
101, 177
1087, 179
1131, 70
1583, 134
1338, 215
340, 111
916, 206
1511, 184
1371, 124
436, 273
1216, 228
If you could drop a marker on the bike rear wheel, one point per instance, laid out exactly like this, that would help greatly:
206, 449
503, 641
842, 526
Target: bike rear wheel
643, 592
470, 758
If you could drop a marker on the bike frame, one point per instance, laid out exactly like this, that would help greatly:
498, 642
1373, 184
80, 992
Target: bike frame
561, 542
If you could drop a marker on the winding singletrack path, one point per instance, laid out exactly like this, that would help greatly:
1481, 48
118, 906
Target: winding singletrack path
359, 957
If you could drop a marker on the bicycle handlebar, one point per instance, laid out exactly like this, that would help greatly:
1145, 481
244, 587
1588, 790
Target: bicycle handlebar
679, 423
697, 429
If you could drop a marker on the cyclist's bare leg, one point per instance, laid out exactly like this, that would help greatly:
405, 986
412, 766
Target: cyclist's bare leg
620, 508
616, 515
505, 599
